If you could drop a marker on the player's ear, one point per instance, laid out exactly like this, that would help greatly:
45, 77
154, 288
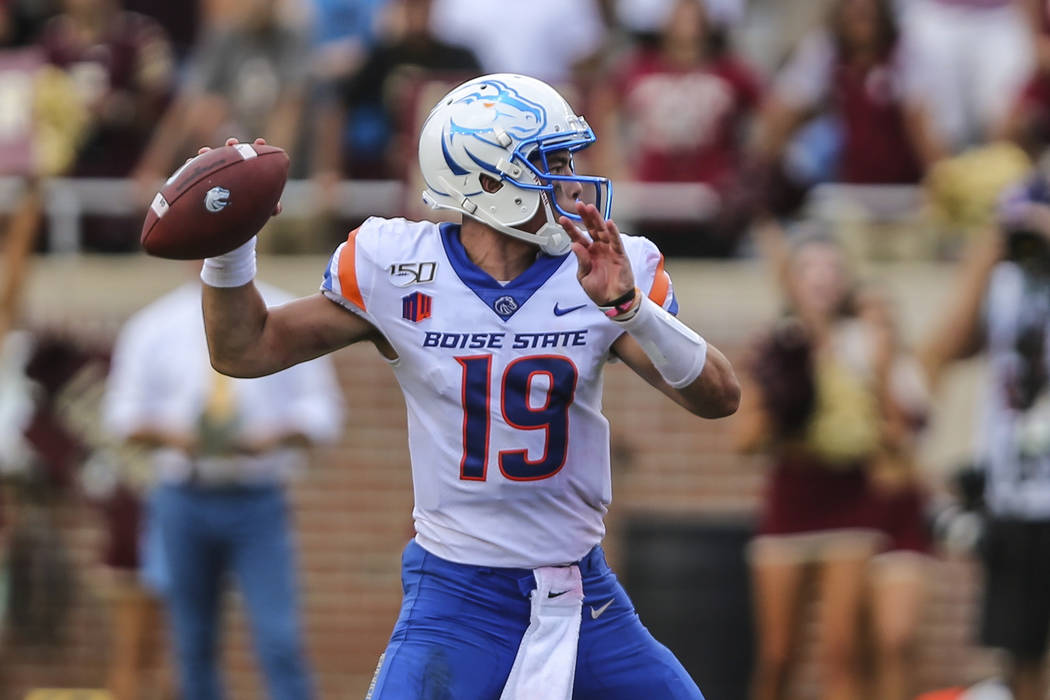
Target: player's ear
489, 183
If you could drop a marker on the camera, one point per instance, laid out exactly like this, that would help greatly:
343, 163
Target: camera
957, 521
1028, 248
1025, 243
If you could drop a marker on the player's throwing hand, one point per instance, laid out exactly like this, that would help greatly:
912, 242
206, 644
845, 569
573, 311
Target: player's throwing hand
232, 141
604, 269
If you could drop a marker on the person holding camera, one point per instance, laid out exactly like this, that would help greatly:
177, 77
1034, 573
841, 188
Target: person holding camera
1002, 306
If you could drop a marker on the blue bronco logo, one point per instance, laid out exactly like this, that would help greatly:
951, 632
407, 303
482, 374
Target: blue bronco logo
477, 114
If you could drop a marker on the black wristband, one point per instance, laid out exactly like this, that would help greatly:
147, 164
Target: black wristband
619, 301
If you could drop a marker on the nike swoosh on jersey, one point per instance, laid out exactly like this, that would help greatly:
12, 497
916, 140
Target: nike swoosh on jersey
561, 312
596, 613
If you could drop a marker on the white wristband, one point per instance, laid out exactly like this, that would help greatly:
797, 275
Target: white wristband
233, 269
676, 351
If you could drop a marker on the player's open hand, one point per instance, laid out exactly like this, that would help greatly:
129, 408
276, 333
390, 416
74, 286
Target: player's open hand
604, 270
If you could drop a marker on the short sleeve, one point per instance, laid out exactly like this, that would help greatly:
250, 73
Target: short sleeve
127, 405
650, 276
351, 272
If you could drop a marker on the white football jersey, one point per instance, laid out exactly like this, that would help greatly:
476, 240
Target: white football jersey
503, 386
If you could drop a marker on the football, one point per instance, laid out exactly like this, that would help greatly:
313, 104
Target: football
215, 202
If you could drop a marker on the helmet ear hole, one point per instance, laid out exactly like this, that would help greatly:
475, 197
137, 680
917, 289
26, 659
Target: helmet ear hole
489, 183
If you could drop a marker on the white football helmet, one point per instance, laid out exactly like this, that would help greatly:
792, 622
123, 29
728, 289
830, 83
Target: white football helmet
505, 126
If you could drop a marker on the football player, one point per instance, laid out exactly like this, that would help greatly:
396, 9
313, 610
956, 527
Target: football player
498, 329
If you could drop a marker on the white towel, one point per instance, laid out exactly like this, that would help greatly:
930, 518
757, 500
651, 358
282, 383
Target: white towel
545, 666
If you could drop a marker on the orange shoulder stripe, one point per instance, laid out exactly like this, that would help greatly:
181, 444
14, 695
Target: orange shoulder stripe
348, 272
661, 283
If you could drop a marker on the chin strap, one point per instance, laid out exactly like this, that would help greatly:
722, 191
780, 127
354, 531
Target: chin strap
554, 240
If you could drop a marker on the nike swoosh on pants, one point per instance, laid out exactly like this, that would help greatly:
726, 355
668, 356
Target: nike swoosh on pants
596, 613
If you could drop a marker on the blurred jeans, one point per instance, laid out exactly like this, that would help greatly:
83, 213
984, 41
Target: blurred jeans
153, 563
205, 533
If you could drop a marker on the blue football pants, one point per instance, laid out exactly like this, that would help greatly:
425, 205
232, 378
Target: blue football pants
460, 626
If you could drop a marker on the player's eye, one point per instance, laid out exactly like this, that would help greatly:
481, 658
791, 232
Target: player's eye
560, 165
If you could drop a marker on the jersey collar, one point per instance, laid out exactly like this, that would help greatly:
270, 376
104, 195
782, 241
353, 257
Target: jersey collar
506, 299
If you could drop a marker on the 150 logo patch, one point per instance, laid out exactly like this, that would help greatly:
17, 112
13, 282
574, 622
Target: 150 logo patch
405, 274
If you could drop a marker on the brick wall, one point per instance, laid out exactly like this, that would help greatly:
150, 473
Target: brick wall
353, 506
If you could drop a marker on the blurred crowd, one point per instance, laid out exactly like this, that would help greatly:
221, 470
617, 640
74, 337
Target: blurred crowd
755, 103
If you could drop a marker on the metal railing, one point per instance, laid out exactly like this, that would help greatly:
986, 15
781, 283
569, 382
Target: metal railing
68, 200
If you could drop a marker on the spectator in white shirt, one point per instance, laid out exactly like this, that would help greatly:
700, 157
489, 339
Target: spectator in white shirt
223, 449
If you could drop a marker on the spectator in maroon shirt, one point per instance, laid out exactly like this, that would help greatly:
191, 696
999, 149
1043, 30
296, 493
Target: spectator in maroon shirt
122, 65
680, 104
1028, 120
852, 72
677, 111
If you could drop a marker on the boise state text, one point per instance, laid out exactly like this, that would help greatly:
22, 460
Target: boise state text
518, 341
